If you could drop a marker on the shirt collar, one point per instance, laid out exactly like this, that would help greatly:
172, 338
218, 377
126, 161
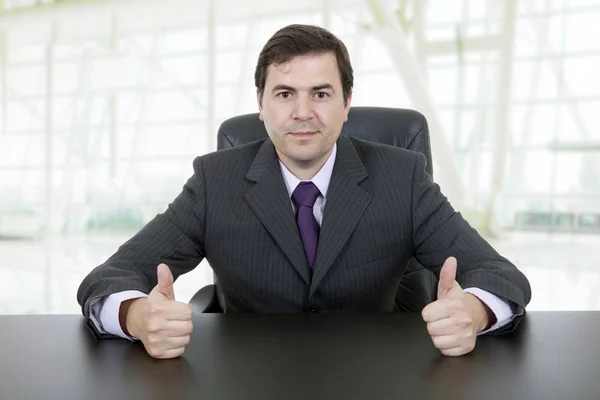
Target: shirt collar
321, 178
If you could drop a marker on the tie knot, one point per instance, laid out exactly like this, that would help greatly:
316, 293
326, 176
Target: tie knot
305, 194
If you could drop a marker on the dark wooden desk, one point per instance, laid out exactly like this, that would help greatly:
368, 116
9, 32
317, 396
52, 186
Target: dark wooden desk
554, 355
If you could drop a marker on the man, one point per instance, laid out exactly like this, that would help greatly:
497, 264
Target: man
306, 220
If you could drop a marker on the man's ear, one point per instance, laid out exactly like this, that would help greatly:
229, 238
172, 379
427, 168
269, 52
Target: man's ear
259, 101
347, 108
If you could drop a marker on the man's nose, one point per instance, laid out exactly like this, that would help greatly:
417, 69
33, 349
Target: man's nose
303, 109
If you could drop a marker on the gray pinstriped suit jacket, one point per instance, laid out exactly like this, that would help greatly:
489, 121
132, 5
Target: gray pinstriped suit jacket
382, 209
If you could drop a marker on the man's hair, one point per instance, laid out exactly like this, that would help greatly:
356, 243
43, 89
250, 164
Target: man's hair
300, 40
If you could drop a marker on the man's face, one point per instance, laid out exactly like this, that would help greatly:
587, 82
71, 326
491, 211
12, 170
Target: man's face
303, 108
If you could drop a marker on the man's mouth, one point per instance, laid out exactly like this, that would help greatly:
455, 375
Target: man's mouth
303, 134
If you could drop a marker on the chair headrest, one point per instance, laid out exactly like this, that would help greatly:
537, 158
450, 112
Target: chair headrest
392, 126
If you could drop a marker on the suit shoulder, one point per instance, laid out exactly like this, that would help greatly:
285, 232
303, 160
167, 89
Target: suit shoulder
389, 161
369, 151
226, 157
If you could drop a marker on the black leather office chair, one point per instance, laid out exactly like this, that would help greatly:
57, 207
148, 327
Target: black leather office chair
393, 126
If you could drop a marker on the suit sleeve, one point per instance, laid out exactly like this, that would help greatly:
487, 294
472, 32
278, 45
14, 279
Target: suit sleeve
175, 237
440, 232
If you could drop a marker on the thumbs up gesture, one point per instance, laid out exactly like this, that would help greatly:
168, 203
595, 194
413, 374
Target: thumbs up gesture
456, 317
161, 323
164, 288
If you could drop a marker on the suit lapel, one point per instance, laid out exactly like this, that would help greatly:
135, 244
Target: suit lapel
346, 203
270, 201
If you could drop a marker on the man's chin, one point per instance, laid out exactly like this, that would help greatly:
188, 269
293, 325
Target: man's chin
307, 157
305, 153
303, 158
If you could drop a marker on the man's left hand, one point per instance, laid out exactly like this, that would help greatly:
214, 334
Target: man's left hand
456, 317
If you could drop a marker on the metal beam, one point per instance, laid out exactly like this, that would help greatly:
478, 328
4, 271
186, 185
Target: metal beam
502, 120
3, 81
50, 223
125, 179
326, 14
418, 23
482, 43
112, 106
211, 133
246, 57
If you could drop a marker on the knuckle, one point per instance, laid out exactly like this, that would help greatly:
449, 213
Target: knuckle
190, 328
432, 330
154, 351
154, 341
426, 313
178, 352
429, 329
151, 341
152, 327
453, 352
155, 309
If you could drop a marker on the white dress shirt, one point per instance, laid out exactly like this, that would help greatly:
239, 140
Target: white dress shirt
105, 313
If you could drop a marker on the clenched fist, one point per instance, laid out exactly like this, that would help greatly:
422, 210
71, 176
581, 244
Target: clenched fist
161, 323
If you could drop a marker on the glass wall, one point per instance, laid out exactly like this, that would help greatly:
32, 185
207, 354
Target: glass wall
104, 105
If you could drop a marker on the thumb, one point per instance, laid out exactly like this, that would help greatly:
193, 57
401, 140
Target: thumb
165, 281
447, 277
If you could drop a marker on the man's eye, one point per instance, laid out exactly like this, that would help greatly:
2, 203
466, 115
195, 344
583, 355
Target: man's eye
284, 95
322, 95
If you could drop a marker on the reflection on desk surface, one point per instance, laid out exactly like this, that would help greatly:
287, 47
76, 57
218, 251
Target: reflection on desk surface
553, 355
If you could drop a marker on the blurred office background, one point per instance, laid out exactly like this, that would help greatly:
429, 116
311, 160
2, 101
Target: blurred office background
104, 105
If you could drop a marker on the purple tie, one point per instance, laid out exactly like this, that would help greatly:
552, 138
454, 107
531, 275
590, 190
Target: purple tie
304, 198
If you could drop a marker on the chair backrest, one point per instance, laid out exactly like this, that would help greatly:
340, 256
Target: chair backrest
393, 126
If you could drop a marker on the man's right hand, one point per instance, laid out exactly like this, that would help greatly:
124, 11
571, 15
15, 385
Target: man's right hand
161, 323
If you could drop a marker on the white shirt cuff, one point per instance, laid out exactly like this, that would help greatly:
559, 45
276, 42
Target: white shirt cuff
500, 307
105, 313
